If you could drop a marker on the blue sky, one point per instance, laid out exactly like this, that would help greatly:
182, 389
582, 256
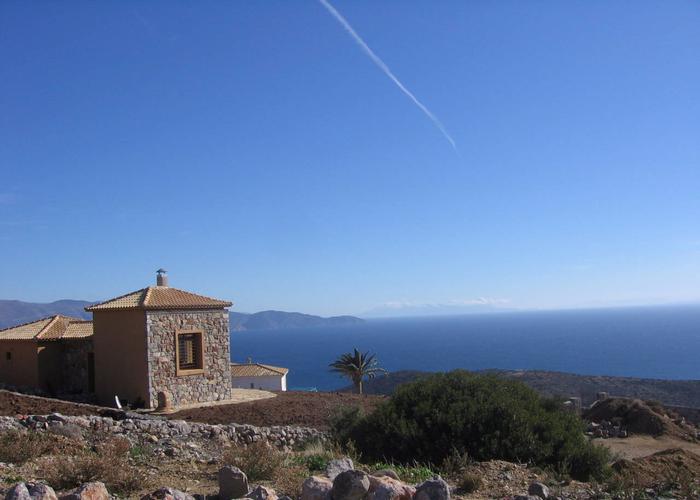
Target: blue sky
258, 154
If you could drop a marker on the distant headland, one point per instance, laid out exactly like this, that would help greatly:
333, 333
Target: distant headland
279, 320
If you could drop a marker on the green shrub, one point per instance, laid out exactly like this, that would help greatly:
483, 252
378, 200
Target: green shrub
343, 422
412, 473
482, 416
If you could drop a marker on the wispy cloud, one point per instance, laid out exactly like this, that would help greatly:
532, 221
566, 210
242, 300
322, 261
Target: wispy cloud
479, 301
376, 60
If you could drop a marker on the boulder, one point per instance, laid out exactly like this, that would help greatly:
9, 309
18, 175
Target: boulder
89, 491
262, 493
233, 483
350, 485
337, 466
31, 491
387, 473
18, 492
433, 489
316, 488
538, 489
387, 488
167, 494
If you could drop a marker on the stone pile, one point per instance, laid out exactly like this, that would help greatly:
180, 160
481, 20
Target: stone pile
343, 482
605, 430
162, 431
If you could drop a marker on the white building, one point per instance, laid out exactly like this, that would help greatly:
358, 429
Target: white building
258, 376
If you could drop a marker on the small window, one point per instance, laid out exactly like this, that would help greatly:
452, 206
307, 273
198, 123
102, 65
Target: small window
252, 385
8, 356
190, 351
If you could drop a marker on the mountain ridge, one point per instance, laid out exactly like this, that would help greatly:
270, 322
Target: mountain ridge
280, 320
16, 312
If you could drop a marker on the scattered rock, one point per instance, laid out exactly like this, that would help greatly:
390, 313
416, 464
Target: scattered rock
538, 489
167, 494
350, 485
262, 493
433, 489
31, 491
387, 488
337, 466
89, 491
18, 492
316, 488
233, 483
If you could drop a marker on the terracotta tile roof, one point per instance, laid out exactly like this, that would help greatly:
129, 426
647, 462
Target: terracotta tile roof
158, 298
78, 330
256, 370
51, 328
25, 331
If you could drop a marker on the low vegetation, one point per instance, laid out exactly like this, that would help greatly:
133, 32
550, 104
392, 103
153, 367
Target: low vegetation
19, 447
259, 461
107, 462
480, 416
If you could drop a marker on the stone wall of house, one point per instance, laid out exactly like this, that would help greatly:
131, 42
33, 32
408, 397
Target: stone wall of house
74, 365
212, 385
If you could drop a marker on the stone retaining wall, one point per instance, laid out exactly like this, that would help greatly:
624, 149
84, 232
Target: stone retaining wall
158, 429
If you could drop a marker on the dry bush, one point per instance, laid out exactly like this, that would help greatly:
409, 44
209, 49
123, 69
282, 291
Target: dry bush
258, 460
470, 482
18, 447
289, 478
455, 463
108, 462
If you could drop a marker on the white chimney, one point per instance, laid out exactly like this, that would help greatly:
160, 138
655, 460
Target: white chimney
162, 277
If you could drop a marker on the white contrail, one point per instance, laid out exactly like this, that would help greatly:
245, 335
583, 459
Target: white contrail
376, 60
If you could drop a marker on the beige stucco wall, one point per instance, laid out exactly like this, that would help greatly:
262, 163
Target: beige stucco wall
21, 370
119, 343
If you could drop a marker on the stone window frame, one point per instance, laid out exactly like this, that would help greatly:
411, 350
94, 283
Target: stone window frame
181, 372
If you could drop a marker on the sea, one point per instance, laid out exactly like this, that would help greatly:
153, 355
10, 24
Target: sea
648, 342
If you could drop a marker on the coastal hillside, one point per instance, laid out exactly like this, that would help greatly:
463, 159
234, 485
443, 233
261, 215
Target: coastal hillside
279, 320
684, 393
14, 312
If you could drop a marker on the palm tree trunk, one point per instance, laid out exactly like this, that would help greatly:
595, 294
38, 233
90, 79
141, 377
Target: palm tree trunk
359, 386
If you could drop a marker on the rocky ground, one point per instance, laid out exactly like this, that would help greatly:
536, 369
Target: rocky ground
135, 455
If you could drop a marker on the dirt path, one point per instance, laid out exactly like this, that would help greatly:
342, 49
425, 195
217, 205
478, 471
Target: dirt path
642, 446
12, 404
309, 409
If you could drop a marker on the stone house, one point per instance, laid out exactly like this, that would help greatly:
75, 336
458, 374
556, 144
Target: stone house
155, 345
161, 346
54, 354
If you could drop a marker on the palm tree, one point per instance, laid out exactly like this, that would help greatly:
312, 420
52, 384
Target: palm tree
356, 366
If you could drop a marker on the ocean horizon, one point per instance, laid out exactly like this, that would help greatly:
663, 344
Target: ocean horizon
661, 342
